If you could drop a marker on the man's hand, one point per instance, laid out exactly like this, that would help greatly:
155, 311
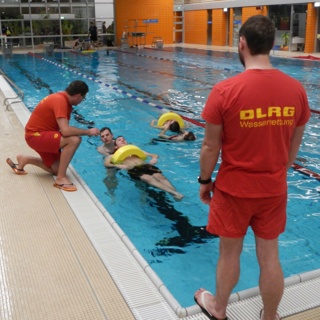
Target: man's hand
93, 132
205, 192
153, 160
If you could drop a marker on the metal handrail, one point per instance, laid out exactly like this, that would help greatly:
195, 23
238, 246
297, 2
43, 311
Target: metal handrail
20, 94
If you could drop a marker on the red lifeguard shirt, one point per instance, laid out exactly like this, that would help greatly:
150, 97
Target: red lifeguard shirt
43, 117
259, 110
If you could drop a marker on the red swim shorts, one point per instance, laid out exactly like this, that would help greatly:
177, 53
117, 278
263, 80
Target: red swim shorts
47, 144
231, 216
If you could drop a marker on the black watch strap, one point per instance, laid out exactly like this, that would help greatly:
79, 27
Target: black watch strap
203, 181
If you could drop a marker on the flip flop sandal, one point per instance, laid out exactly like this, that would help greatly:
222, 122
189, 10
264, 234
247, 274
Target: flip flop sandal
14, 167
203, 307
66, 187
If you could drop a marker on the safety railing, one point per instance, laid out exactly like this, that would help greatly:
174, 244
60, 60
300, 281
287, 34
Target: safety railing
19, 93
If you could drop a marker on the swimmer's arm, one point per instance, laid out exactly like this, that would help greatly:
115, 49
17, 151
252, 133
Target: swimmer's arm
164, 130
68, 131
154, 125
108, 164
154, 157
177, 138
295, 145
163, 136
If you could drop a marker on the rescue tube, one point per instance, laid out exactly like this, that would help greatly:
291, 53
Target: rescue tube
127, 151
170, 116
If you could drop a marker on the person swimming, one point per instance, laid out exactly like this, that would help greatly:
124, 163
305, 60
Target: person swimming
138, 169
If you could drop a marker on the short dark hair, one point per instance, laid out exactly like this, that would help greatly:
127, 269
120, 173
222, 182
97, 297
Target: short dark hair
77, 87
174, 126
105, 128
259, 32
115, 140
189, 136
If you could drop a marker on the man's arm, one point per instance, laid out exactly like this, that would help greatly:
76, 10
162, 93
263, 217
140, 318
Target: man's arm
295, 144
109, 164
163, 136
154, 157
68, 131
209, 156
153, 124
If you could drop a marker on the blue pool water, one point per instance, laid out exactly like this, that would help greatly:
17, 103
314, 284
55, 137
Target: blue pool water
127, 91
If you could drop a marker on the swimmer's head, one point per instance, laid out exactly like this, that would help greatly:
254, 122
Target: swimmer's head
189, 136
120, 141
106, 135
174, 126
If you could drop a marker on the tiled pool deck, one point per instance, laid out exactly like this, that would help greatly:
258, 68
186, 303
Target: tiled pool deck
63, 256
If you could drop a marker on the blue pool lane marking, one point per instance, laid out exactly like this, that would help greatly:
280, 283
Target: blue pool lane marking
115, 88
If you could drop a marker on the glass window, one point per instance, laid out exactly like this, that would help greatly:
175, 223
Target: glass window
280, 14
10, 13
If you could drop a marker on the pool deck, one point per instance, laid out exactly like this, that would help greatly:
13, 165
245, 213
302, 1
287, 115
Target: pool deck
64, 257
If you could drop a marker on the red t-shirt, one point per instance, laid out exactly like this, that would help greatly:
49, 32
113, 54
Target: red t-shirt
259, 110
45, 115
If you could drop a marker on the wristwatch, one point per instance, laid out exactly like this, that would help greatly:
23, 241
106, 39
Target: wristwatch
204, 181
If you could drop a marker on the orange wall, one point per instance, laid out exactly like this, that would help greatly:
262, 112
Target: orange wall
195, 24
129, 13
248, 12
195, 27
219, 27
309, 45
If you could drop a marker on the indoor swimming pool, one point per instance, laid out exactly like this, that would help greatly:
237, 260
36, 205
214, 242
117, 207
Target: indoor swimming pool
128, 90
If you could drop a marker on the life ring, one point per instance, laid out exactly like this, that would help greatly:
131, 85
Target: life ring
127, 151
170, 116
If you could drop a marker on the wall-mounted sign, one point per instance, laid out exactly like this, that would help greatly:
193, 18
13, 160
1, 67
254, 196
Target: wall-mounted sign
150, 21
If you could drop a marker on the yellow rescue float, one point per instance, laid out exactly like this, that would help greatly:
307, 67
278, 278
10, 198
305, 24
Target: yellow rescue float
170, 116
127, 151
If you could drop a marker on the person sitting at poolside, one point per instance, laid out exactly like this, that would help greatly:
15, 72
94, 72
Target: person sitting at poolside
48, 132
140, 170
182, 135
77, 45
108, 146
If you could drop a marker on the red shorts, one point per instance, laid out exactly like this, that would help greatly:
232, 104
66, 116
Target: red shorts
47, 144
231, 216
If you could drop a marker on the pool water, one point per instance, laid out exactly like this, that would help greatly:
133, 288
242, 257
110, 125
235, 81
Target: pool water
128, 90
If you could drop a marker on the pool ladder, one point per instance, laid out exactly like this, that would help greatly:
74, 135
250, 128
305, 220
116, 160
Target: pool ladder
15, 99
